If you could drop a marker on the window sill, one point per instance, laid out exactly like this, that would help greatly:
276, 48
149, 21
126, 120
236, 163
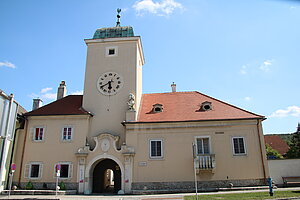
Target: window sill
156, 158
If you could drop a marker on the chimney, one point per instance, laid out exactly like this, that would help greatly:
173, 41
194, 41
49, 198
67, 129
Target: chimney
173, 86
62, 90
37, 103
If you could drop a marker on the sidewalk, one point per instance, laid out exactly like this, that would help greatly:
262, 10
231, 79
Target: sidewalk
131, 197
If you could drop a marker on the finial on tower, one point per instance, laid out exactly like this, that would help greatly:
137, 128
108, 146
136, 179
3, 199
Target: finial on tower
118, 17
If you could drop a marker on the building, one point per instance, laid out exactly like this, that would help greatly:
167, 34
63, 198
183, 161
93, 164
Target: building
10, 123
113, 138
277, 143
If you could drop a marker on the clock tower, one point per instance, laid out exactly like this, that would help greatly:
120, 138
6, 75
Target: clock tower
113, 77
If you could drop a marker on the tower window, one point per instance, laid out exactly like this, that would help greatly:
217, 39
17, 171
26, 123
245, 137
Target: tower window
111, 51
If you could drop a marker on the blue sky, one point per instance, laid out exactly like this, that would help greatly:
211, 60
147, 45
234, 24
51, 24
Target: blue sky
243, 52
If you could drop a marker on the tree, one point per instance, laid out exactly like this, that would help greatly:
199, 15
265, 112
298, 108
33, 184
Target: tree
294, 151
272, 153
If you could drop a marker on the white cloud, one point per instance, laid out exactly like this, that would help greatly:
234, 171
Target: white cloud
7, 64
50, 96
163, 8
78, 92
46, 90
266, 65
33, 95
243, 70
289, 111
247, 98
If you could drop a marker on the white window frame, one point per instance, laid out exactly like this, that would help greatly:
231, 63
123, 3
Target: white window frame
40, 170
34, 133
209, 143
245, 146
62, 133
70, 172
109, 48
161, 146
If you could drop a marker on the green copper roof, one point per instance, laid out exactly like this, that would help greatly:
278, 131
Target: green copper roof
113, 32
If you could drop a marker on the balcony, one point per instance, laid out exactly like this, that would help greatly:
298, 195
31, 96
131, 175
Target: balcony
205, 162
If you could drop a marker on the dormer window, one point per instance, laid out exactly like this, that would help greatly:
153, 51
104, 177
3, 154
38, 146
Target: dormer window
205, 106
157, 108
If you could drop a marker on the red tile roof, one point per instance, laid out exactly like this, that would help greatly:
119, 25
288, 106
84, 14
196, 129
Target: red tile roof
277, 143
69, 105
185, 106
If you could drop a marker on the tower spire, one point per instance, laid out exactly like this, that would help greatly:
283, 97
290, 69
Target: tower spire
118, 18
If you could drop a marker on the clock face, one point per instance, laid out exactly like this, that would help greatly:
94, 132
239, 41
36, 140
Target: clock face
109, 83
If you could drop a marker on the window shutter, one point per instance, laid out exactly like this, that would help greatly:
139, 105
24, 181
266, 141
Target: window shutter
70, 170
41, 170
26, 170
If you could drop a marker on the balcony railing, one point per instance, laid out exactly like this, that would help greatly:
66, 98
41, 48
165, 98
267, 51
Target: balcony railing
205, 162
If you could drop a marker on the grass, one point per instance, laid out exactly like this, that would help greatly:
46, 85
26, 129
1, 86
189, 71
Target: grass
242, 196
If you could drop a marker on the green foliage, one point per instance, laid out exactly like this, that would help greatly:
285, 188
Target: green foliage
294, 151
62, 186
286, 137
248, 196
29, 186
272, 153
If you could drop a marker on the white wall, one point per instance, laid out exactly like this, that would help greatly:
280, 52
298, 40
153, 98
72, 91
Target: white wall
283, 168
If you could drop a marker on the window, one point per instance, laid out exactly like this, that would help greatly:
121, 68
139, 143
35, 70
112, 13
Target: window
33, 170
65, 170
156, 149
238, 146
67, 133
111, 51
38, 133
157, 108
203, 145
205, 106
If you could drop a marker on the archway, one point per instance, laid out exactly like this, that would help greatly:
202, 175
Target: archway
106, 177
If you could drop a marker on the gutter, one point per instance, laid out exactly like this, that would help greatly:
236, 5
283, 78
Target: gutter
261, 151
206, 120
23, 151
21, 121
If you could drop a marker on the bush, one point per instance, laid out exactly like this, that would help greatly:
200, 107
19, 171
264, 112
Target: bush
29, 186
272, 153
62, 186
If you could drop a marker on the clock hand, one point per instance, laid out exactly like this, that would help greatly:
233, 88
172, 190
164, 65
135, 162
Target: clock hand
109, 84
105, 84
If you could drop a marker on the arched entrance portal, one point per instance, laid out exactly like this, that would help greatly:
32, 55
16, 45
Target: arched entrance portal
106, 177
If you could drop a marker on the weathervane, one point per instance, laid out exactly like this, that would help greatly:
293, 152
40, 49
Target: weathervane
118, 16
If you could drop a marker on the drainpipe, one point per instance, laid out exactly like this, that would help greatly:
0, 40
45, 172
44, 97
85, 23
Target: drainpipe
23, 151
261, 150
21, 121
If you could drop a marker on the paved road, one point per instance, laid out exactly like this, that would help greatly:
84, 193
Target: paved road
130, 197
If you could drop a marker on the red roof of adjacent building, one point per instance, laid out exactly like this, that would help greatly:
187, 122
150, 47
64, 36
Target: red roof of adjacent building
277, 143
69, 105
185, 106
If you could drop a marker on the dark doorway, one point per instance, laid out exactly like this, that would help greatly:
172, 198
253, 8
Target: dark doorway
107, 177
